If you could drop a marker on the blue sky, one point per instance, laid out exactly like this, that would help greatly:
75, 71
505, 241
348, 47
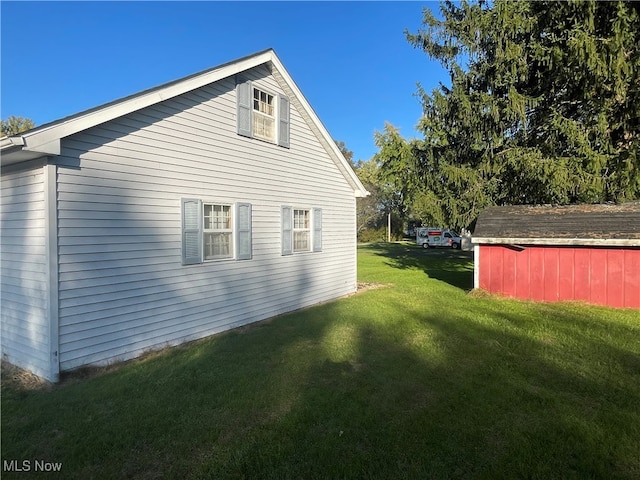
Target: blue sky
350, 59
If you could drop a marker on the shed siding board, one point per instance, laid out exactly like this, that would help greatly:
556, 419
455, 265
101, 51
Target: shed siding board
605, 276
632, 282
582, 274
598, 275
551, 274
522, 274
123, 288
566, 272
24, 268
615, 277
508, 272
536, 272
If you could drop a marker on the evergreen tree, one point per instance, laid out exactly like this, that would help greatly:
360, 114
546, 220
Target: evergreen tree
543, 107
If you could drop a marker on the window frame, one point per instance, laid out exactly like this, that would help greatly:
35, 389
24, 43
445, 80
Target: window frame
246, 114
312, 227
258, 114
301, 231
194, 234
230, 231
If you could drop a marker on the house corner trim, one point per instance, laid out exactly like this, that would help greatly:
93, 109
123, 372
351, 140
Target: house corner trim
51, 226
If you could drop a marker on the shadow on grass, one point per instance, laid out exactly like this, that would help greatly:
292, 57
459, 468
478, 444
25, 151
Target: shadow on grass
493, 401
454, 267
445, 398
345, 390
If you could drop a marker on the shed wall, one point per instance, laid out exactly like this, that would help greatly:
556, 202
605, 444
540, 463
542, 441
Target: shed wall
605, 276
123, 288
24, 302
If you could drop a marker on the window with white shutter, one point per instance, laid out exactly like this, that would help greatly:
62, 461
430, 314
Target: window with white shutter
191, 231
261, 114
287, 230
215, 231
243, 231
317, 229
301, 230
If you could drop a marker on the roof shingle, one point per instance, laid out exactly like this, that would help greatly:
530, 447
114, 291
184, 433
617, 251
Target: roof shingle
602, 221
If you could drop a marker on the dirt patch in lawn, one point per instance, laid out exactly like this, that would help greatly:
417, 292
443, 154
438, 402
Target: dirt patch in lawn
20, 379
364, 286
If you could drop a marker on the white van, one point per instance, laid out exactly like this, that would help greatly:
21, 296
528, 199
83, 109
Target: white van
437, 237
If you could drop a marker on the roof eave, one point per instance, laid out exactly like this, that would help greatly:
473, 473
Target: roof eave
45, 140
330, 145
19, 149
96, 116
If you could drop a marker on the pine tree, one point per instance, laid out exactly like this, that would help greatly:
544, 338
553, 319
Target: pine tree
543, 107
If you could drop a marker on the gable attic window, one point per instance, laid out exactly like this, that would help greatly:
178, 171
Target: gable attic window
264, 120
262, 115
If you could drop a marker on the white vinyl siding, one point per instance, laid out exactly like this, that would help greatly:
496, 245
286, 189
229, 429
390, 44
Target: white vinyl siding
24, 308
123, 286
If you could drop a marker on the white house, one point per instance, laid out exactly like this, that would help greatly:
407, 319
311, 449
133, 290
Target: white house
185, 210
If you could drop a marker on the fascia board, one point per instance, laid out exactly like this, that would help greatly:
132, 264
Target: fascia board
589, 242
44, 137
359, 189
8, 142
50, 148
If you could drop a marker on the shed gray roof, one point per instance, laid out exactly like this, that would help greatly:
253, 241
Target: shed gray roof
571, 224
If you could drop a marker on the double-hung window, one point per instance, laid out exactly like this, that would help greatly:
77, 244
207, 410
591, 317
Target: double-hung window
301, 230
262, 114
215, 231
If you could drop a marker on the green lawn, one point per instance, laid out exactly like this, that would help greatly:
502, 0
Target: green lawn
419, 379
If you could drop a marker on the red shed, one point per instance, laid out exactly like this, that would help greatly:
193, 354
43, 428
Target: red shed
575, 252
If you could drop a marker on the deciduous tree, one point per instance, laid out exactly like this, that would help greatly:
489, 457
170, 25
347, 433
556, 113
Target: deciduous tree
13, 125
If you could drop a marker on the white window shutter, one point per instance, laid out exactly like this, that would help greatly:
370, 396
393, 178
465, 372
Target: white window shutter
244, 97
317, 229
191, 231
243, 235
287, 231
283, 121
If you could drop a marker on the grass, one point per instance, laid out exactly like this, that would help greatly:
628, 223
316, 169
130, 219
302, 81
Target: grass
419, 379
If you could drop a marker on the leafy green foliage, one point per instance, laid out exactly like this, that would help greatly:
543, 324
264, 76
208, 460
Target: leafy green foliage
13, 125
543, 107
372, 211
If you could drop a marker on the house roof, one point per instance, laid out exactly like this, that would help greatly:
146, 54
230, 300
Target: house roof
603, 224
44, 140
